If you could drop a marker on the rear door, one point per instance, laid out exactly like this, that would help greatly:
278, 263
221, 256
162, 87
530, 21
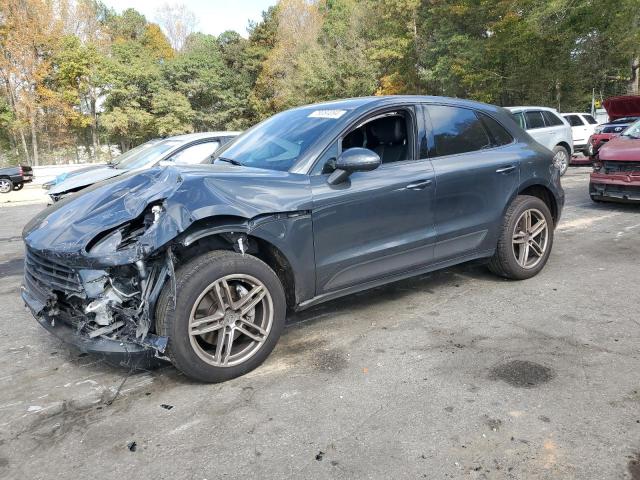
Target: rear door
538, 129
477, 170
578, 129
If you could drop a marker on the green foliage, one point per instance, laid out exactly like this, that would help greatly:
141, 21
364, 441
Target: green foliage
96, 74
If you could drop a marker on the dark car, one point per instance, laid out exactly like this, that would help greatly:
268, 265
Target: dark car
200, 263
616, 170
14, 178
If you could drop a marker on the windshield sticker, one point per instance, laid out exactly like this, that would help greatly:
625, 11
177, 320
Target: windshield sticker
327, 113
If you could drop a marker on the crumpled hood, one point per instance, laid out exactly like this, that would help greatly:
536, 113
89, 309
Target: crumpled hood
624, 149
623, 106
187, 194
84, 179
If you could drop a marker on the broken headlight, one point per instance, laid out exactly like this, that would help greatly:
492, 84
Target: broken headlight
126, 235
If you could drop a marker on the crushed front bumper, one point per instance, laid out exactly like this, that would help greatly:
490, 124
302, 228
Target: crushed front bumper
623, 187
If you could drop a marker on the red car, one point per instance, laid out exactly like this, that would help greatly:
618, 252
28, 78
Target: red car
616, 170
622, 111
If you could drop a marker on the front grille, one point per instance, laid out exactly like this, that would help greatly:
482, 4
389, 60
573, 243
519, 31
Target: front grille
50, 274
620, 167
614, 128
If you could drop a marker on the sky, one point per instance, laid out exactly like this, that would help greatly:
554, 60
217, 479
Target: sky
214, 16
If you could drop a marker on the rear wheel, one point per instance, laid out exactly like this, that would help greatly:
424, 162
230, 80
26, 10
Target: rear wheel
227, 317
6, 185
526, 239
561, 158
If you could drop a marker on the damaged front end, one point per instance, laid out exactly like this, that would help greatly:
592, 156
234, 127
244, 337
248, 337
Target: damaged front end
105, 310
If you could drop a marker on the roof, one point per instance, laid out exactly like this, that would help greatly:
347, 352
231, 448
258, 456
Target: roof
575, 113
531, 107
188, 137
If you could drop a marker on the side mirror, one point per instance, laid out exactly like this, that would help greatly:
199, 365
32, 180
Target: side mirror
353, 160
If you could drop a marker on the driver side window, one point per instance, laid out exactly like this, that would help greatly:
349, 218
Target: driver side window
389, 135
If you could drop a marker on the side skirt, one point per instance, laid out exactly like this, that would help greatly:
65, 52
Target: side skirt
325, 297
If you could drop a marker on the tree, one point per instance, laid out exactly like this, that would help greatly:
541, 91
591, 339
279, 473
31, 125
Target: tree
178, 23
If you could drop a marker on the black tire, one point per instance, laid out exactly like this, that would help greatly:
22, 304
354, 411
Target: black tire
596, 199
6, 185
565, 166
192, 280
504, 262
18, 186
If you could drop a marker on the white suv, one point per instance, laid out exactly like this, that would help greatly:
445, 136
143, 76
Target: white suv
583, 125
548, 128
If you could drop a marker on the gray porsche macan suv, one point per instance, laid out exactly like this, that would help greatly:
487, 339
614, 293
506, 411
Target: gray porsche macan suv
199, 264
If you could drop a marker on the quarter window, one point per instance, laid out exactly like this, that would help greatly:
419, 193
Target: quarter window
590, 120
457, 130
499, 136
551, 119
534, 120
519, 118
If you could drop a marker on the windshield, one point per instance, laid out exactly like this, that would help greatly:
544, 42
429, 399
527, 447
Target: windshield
632, 131
278, 142
146, 156
132, 152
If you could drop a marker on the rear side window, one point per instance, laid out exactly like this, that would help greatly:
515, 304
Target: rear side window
552, 120
574, 120
457, 130
499, 136
519, 118
534, 120
590, 120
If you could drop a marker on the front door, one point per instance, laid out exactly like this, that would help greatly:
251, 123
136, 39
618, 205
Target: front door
379, 223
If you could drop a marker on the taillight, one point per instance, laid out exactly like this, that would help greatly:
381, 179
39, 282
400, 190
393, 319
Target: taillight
20, 170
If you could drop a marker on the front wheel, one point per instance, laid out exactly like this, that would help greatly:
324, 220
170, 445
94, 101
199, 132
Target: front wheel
227, 317
6, 185
561, 158
525, 241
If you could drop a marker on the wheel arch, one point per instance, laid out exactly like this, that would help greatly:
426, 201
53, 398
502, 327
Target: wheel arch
543, 193
566, 146
237, 234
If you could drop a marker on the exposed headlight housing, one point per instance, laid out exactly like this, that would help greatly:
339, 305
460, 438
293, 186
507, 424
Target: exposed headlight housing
598, 129
126, 235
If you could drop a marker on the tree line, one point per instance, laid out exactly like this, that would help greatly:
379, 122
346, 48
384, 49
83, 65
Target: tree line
77, 77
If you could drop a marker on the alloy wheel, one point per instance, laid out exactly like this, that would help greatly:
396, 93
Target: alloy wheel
5, 185
230, 320
530, 238
561, 159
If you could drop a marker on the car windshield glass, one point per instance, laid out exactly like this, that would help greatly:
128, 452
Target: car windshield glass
132, 152
147, 156
632, 131
278, 142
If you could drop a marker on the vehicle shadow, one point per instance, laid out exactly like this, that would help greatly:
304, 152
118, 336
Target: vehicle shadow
430, 283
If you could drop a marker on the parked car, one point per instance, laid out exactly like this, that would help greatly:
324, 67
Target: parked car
622, 112
70, 174
181, 149
548, 128
605, 132
583, 126
200, 263
616, 171
14, 178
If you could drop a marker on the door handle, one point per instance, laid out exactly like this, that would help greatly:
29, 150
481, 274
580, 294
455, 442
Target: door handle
419, 185
507, 169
